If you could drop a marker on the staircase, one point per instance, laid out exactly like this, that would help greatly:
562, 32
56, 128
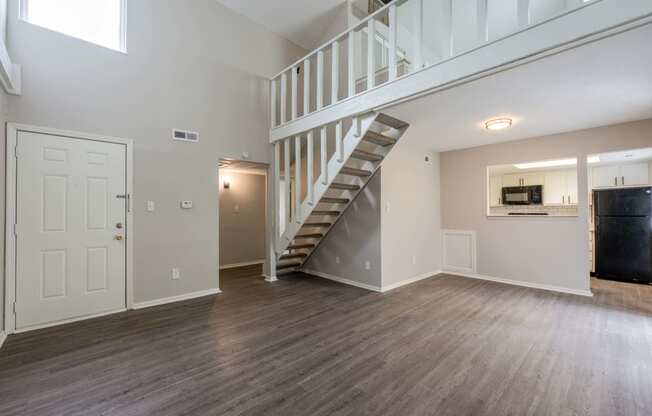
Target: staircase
356, 158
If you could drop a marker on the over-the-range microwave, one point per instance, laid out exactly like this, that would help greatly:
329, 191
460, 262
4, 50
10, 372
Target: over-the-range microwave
523, 195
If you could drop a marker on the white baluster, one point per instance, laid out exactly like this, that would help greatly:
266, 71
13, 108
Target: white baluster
284, 95
295, 91
335, 78
339, 142
371, 53
297, 178
310, 169
418, 36
272, 96
277, 186
306, 87
286, 172
323, 154
351, 64
357, 127
393, 26
320, 80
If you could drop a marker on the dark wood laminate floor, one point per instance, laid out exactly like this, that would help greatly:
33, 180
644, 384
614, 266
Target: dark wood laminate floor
306, 346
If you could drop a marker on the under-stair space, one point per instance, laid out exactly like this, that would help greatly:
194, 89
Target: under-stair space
312, 205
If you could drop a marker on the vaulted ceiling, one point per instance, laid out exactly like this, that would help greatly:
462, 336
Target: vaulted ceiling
303, 22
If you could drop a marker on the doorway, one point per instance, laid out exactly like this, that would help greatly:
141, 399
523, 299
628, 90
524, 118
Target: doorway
243, 231
620, 217
69, 227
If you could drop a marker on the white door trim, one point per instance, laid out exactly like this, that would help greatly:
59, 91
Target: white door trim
12, 130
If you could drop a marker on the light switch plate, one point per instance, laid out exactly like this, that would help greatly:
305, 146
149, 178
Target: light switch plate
151, 206
186, 204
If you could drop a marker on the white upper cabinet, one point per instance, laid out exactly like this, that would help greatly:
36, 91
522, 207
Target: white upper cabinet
634, 175
523, 179
512, 180
531, 179
560, 187
495, 191
605, 176
614, 176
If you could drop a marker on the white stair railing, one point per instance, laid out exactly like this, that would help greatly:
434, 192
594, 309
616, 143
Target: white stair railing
414, 33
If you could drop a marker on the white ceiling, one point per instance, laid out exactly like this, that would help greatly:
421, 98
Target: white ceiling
303, 22
602, 83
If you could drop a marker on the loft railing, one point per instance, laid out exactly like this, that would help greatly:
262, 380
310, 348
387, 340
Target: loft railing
397, 40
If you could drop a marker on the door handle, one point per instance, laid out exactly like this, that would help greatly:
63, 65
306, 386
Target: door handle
616, 181
563, 200
623, 180
119, 237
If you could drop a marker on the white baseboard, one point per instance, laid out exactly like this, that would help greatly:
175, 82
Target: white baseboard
409, 281
270, 279
342, 280
172, 299
551, 288
3, 338
243, 264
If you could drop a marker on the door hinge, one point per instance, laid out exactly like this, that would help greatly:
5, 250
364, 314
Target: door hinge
14, 308
16, 151
16, 230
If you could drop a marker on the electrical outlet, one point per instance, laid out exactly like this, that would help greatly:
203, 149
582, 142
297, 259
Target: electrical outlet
367, 265
337, 259
151, 206
176, 273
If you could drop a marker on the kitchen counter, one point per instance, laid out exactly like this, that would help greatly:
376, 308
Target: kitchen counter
518, 211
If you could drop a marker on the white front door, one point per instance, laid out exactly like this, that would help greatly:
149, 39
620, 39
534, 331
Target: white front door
71, 228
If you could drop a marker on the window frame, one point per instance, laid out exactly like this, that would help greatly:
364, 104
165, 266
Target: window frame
23, 15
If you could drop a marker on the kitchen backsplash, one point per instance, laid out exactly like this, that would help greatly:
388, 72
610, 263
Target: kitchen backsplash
552, 210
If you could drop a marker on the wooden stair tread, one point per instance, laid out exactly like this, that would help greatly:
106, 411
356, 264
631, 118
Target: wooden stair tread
336, 185
355, 172
302, 236
281, 266
325, 213
362, 155
391, 121
293, 256
300, 246
329, 200
378, 139
317, 224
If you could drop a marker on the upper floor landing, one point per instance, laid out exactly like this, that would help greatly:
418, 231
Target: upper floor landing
410, 48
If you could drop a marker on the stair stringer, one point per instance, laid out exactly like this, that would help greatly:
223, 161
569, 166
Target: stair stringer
350, 142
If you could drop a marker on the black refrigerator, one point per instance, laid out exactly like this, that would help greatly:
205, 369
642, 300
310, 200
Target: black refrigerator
623, 234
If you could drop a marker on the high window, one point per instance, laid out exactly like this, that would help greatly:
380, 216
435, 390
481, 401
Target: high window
102, 22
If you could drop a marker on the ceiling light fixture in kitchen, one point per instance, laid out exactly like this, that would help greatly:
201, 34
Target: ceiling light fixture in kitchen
546, 164
498, 124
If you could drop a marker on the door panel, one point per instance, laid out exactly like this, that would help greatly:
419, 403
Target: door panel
69, 263
623, 248
633, 175
605, 176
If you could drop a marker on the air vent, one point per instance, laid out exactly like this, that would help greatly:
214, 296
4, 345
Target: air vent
185, 136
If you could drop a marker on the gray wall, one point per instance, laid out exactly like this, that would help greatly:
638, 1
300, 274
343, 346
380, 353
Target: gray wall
242, 230
190, 64
355, 239
547, 251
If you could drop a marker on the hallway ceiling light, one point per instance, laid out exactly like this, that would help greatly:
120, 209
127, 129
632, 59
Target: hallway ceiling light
547, 164
498, 124
593, 159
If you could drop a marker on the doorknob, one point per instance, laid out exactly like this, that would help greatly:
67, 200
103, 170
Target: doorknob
118, 237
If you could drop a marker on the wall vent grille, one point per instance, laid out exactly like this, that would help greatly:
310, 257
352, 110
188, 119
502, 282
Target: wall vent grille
185, 136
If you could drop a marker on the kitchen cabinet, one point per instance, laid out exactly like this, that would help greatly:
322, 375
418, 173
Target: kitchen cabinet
523, 179
615, 176
495, 191
560, 187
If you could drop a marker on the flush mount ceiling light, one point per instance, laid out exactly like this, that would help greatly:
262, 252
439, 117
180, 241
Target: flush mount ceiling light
498, 123
546, 164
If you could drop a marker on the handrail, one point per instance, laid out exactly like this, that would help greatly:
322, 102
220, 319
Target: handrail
341, 35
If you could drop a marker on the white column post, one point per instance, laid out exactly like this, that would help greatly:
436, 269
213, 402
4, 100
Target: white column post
393, 26
351, 63
371, 53
284, 94
335, 78
306, 87
310, 168
297, 179
272, 96
418, 36
294, 92
320, 80
323, 153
